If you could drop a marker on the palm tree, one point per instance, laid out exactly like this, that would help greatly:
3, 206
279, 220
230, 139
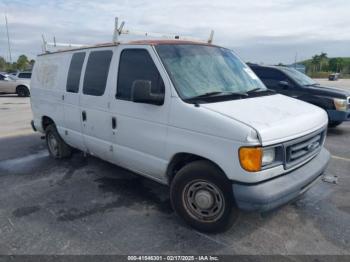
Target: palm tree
316, 59
323, 58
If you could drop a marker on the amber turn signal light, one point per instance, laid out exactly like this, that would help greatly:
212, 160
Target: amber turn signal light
251, 158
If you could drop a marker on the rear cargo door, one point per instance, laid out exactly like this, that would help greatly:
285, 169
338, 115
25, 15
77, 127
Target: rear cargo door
72, 120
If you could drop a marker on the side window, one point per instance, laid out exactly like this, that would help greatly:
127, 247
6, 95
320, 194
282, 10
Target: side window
25, 75
270, 76
76, 64
2, 77
96, 72
269, 73
134, 65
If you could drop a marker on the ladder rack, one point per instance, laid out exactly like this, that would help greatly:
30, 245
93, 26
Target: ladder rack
117, 32
54, 44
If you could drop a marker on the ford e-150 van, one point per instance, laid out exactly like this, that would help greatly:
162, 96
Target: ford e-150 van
187, 114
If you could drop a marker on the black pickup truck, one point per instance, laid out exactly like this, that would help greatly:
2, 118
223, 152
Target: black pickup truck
290, 82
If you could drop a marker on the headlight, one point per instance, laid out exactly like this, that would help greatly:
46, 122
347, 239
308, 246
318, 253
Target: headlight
269, 156
340, 104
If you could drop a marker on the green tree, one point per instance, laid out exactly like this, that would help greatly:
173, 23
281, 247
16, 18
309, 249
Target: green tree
340, 64
22, 62
316, 61
2, 64
336, 64
323, 61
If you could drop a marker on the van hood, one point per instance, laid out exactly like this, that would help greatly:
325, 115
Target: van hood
276, 118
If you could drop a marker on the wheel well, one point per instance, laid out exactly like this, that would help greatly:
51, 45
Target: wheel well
46, 121
180, 160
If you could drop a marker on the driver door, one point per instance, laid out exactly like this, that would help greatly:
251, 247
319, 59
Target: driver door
140, 129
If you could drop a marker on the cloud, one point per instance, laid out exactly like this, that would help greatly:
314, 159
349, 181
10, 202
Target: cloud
255, 29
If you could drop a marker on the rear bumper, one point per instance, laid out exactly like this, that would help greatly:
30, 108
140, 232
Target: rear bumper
335, 115
279, 191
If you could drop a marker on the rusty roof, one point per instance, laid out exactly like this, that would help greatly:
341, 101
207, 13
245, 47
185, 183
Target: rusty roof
135, 42
165, 42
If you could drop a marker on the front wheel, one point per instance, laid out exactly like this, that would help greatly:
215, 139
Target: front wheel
202, 195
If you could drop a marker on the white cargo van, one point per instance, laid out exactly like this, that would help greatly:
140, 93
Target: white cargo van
186, 114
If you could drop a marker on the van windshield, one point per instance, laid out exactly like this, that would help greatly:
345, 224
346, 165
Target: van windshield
200, 70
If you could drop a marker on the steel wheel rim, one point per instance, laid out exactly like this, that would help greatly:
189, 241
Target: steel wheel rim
203, 201
53, 144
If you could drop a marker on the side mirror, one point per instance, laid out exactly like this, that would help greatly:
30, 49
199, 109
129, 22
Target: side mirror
141, 93
283, 84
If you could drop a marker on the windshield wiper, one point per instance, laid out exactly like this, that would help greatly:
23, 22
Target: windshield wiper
254, 90
314, 84
209, 94
216, 94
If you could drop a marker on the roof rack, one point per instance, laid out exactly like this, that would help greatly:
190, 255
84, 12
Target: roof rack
118, 31
54, 44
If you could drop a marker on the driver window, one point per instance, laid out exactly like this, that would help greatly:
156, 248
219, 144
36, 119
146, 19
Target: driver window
135, 65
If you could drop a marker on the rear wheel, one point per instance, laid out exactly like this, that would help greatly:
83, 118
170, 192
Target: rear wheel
202, 195
334, 123
57, 147
22, 91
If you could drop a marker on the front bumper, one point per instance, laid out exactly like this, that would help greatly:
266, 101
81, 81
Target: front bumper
281, 190
335, 115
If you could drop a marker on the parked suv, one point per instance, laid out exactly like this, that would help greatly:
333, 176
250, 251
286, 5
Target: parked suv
186, 114
290, 82
24, 75
12, 85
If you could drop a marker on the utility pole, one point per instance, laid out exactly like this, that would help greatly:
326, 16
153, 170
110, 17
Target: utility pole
8, 39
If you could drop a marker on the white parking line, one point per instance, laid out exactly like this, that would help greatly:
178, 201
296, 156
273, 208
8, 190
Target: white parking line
17, 133
341, 158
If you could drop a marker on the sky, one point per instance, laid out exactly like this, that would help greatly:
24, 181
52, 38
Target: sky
261, 31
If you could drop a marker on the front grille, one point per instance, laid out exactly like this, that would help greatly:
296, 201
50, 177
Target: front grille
299, 150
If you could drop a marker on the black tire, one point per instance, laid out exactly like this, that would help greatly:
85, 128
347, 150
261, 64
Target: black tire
204, 176
59, 149
22, 91
334, 123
